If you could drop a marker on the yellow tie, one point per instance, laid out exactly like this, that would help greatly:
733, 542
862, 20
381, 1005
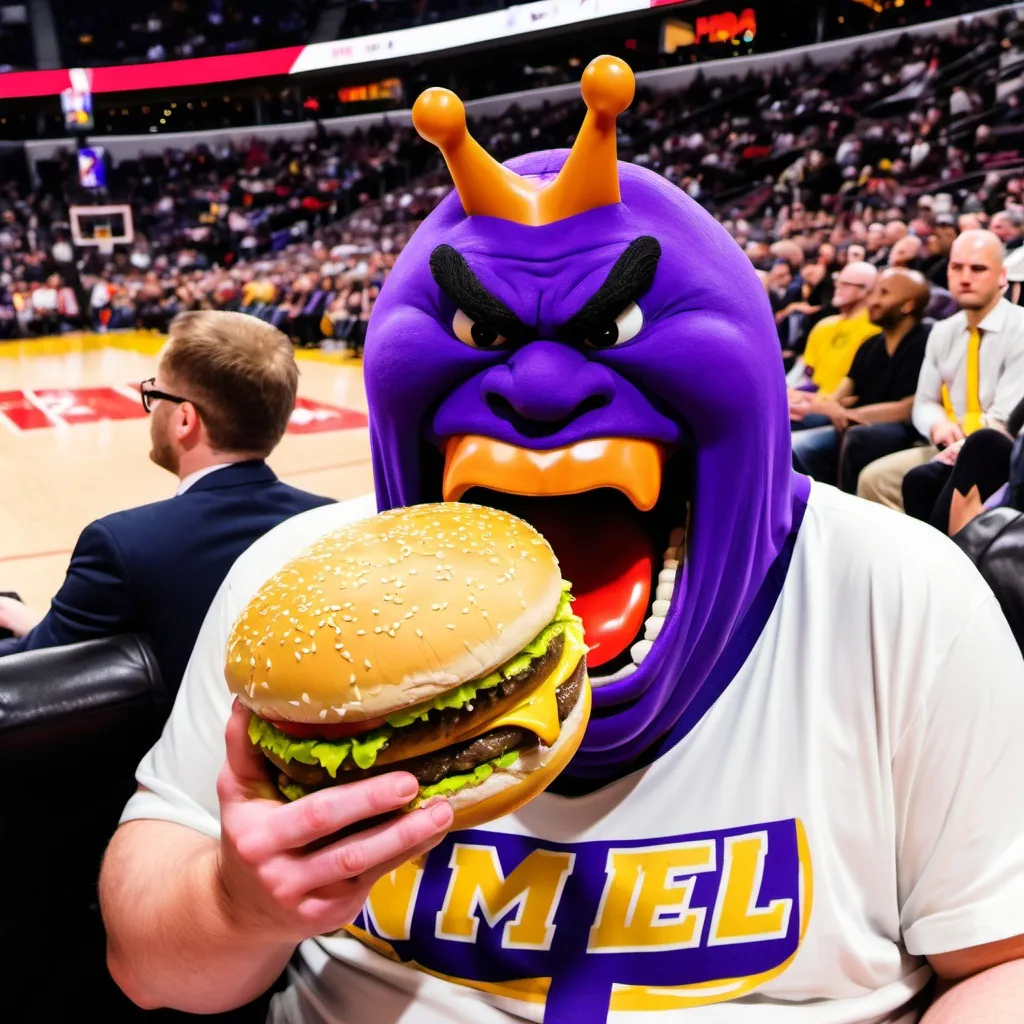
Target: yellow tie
974, 418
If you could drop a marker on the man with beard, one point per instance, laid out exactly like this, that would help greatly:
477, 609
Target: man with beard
219, 404
798, 794
869, 412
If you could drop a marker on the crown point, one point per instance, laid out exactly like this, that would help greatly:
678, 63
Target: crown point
608, 85
440, 117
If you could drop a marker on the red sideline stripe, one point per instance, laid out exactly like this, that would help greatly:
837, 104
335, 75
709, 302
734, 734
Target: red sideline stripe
160, 75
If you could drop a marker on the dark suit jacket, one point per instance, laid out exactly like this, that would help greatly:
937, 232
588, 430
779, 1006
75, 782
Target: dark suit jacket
154, 570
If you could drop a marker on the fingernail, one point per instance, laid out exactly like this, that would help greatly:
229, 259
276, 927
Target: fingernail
406, 788
442, 814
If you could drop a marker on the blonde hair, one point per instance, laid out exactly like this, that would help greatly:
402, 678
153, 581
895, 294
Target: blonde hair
240, 373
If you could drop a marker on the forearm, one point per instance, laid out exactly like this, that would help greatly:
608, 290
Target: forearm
995, 996
171, 940
926, 414
884, 412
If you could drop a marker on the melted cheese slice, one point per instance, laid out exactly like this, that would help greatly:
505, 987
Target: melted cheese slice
538, 712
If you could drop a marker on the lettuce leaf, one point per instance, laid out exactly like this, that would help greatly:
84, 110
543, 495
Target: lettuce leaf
309, 751
453, 783
331, 754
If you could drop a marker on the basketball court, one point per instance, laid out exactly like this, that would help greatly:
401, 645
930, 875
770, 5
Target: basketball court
74, 443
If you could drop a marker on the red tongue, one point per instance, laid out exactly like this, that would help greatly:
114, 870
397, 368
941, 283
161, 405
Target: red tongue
605, 553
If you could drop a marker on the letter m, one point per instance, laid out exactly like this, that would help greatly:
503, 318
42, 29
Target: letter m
478, 883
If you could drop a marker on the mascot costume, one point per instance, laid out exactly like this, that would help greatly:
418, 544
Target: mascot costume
766, 817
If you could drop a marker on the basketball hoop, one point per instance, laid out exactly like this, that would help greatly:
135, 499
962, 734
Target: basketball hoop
104, 239
103, 227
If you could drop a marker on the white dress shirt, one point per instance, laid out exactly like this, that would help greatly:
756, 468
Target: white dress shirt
1000, 369
198, 475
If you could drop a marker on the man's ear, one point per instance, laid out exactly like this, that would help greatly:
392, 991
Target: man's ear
189, 427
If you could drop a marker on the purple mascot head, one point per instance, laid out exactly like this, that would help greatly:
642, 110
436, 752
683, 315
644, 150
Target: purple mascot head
575, 340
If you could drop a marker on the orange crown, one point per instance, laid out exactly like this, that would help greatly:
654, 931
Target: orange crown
589, 178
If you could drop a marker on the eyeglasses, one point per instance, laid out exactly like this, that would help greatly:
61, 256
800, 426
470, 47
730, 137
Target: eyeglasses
149, 393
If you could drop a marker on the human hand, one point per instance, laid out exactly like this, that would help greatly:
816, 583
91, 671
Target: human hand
804, 307
16, 617
282, 877
800, 403
946, 433
837, 413
948, 455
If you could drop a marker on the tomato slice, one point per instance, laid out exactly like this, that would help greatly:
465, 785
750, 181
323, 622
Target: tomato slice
327, 730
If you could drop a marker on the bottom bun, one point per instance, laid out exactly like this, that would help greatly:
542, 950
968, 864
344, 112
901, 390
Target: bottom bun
508, 789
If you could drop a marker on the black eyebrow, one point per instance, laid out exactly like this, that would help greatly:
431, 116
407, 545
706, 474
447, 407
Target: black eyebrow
626, 282
456, 279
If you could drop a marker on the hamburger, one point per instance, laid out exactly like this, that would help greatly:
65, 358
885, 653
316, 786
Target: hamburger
437, 639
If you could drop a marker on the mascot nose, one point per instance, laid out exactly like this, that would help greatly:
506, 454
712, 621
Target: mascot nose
547, 382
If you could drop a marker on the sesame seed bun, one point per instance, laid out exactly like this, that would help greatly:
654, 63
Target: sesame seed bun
391, 611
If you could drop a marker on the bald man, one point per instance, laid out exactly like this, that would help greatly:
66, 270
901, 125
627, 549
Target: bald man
869, 413
905, 252
972, 377
833, 342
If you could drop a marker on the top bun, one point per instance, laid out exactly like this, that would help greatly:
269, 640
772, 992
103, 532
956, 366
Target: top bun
392, 610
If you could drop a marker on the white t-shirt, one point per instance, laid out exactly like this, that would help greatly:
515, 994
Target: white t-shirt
850, 803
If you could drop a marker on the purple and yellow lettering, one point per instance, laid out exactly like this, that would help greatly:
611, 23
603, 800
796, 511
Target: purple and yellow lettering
737, 917
478, 883
392, 899
646, 901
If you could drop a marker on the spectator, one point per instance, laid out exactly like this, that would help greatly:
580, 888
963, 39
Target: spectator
834, 341
906, 252
870, 411
958, 391
220, 403
939, 243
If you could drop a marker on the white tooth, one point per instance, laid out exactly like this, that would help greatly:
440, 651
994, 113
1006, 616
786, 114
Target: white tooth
670, 563
640, 650
667, 576
626, 670
660, 609
653, 630
676, 537
664, 591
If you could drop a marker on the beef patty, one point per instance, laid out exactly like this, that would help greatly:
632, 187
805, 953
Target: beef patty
439, 764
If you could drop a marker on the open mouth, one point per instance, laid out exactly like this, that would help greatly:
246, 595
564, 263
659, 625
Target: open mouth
614, 511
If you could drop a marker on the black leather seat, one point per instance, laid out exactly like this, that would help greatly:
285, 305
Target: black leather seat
994, 541
74, 723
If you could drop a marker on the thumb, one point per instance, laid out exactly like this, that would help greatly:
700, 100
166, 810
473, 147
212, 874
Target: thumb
244, 775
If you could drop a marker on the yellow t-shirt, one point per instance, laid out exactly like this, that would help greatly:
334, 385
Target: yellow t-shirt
831, 346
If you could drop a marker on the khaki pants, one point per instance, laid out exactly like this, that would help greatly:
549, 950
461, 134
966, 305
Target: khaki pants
882, 480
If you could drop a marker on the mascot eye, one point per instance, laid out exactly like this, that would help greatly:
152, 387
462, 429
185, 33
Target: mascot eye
469, 332
626, 327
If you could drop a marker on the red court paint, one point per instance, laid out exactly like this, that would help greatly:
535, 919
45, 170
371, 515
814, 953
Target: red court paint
46, 408
312, 417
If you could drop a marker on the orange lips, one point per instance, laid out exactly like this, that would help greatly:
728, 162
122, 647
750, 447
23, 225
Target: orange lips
631, 466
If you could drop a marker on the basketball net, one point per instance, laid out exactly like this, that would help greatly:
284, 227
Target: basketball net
104, 239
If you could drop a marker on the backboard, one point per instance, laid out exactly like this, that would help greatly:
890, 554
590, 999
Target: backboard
102, 226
